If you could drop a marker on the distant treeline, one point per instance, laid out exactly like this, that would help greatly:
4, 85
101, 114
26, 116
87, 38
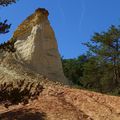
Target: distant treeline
99, 68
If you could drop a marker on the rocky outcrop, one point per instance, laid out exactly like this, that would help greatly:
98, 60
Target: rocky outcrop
37, 48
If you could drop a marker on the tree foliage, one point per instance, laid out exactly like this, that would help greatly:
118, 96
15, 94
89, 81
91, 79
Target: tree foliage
7, 2
4, 26
73, 68
100, 70
105, 47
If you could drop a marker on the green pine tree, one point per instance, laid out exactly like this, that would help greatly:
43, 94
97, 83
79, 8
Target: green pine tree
105, 68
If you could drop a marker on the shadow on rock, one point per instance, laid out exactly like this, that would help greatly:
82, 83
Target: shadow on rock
22, 114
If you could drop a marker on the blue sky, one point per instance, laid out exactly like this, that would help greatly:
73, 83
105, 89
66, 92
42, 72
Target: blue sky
74, 21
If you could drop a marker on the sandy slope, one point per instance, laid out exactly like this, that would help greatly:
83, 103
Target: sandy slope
62, 103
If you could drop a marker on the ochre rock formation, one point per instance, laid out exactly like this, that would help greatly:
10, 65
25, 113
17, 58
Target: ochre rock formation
36, 46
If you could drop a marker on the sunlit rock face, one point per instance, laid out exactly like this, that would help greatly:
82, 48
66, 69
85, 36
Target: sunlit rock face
36, 46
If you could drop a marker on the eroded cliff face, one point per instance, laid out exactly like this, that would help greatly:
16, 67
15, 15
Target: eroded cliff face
36, 46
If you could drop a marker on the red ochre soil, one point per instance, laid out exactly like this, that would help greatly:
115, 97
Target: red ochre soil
63, 103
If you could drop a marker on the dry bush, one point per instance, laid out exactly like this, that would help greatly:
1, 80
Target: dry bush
8, 46
21, 92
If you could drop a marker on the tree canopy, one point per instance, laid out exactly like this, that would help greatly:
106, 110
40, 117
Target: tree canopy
106, 47
100, 68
